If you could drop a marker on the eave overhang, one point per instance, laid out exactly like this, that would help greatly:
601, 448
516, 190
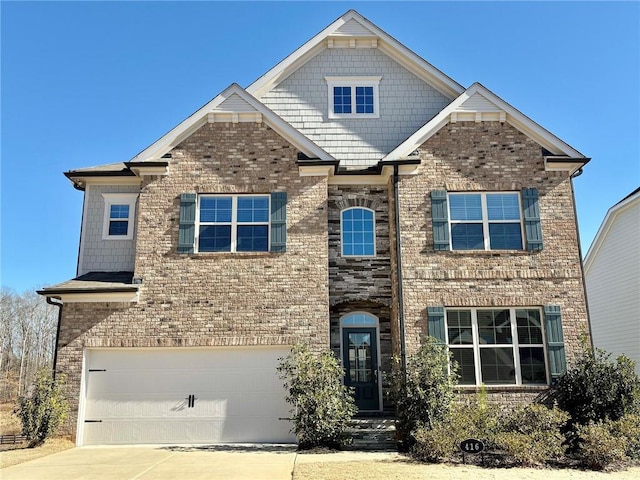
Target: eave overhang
93, 296
378, 174
124, 173
95, 287
554, 163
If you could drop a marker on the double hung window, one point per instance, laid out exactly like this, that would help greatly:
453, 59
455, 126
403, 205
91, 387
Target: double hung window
497, 346
485, 221
233, 223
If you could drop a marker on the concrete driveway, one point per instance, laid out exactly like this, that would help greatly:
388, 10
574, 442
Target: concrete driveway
267, 462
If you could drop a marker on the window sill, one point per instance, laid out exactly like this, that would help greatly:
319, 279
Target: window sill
490, 253
502, 388
204, 255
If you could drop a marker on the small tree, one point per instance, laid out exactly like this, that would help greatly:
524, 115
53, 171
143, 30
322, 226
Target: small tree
43, 409
424, 395
322, 405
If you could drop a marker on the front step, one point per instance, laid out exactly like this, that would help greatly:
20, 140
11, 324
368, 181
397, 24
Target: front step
372, 433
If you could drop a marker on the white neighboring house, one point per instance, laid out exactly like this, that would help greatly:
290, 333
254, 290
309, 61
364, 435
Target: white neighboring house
612, 274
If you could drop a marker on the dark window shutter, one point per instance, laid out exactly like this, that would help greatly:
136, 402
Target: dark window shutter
440, 219
437, 328
187, 231
279, 222
532, 227
555, 341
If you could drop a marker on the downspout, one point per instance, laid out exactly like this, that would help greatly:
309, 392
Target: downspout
403, 346
584, 282
50, 301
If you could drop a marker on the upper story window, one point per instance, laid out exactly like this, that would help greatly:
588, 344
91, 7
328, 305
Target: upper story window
233, 223
485, 221
353, 97
497, 346
119, 216
358, 229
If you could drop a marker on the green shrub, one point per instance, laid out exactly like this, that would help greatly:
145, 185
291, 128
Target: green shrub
599, 445
43, 409
424, 396
531, 434
597, 389
322, 405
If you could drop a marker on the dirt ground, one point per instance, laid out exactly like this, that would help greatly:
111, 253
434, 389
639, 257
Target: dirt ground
402, 469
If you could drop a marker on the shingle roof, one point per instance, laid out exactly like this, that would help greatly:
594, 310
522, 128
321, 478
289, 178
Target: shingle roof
95, 282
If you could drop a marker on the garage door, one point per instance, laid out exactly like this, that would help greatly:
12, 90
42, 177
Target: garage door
184, 395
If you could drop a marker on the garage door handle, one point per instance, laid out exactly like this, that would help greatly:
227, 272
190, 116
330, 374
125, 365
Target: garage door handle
191, 401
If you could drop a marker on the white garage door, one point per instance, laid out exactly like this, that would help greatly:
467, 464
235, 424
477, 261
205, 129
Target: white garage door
184, 395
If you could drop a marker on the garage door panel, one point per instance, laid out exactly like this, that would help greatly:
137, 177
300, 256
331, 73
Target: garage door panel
142, 396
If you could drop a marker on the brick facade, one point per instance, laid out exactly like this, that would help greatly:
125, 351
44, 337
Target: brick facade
489, 156
215, 299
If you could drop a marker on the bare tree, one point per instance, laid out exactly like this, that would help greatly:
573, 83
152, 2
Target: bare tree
27, 336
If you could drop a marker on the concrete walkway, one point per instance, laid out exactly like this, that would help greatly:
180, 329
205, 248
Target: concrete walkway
256, 462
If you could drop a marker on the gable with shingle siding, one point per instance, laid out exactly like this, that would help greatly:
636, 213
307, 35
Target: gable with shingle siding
406, 103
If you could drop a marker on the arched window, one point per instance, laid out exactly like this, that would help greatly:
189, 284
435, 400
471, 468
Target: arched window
358, 229
359, 319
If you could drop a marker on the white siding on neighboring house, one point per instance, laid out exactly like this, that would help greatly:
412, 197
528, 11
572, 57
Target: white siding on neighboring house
406, 103
612, 272
96, 254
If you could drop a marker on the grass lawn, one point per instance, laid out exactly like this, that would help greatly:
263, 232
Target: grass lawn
402, 469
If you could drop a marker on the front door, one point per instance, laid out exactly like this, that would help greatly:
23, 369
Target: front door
360, 360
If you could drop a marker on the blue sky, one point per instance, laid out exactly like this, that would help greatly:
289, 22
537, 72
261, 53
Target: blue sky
88, 83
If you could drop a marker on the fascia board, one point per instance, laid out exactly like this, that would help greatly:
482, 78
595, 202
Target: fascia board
419, 66
426, 131
527, 126
296, 59
514, 117
199, 118
389, 45
606, 225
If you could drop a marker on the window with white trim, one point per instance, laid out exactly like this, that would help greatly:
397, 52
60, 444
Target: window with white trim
233, 223
485, 221
358, 232
354, 97
119, 216
499, 346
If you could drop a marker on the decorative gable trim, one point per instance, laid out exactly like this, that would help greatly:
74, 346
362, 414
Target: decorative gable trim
479, 104
352, 30
234, 105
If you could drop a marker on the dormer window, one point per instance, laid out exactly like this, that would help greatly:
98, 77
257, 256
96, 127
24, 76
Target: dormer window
353, 97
